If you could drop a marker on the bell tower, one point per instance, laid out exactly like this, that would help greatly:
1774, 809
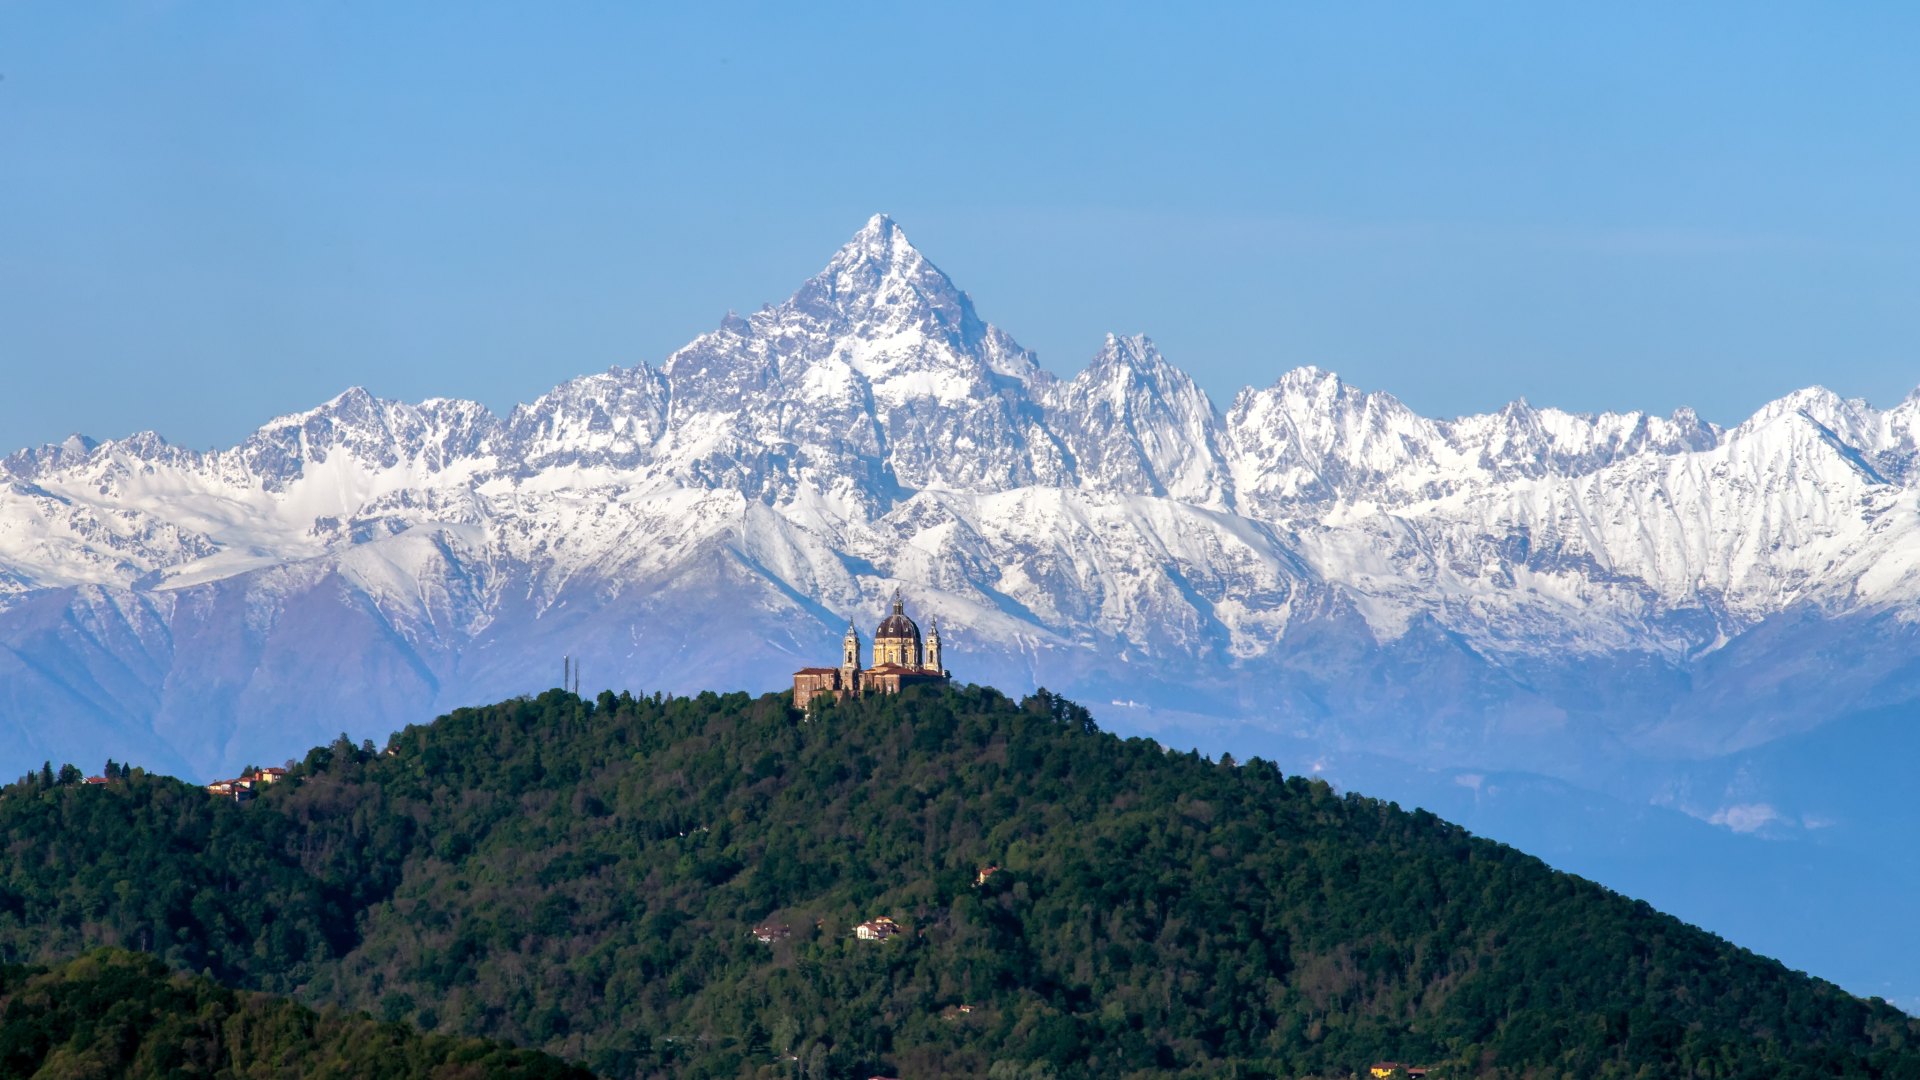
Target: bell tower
850, 648
933, 646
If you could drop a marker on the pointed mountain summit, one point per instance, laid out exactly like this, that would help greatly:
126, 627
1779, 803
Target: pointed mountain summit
878, 281
1312, 437
881, 289
881, 241
878, 359
878, 303
1136, 423
880, 256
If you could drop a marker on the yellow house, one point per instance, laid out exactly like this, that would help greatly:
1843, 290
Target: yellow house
879, 929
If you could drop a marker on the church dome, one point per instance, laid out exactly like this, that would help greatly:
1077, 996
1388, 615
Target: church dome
897, 625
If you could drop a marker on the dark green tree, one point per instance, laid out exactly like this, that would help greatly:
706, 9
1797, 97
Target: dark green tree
669, 887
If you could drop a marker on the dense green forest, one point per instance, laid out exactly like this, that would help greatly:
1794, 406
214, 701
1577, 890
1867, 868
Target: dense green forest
113, 1014
586, 876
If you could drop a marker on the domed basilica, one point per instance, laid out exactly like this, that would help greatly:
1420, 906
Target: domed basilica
899, 659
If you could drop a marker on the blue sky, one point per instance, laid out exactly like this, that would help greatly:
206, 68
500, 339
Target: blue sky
212, 213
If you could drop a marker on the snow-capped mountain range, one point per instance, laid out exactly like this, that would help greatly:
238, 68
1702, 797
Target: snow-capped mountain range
1313, 559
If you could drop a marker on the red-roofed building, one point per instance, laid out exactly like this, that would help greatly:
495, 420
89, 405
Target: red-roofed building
879, 929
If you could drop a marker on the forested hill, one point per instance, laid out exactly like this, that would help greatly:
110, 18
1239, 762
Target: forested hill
588, 877
119, 1014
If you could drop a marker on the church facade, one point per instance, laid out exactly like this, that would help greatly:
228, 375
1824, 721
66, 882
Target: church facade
900, 658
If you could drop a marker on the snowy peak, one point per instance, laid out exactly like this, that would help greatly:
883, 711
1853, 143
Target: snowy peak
1521, 440
1133, 369
613, 419
880, 243
1817, 402
1846, 421
1133, 422
860, 385
879, 265
879, 307
1311, 437
1133, 357
1883, 445
896, 303
879, 284
373, 433
70, 451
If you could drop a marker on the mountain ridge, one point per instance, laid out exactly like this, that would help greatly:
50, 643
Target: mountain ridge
898, 438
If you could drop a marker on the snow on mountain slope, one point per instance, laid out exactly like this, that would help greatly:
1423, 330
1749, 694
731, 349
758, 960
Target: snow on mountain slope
1309, 439
795, 464
299, 487
610, 420
1133, 422
1781, 511
875, 379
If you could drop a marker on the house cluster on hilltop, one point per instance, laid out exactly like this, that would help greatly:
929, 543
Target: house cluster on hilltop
900, 659
240, 789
